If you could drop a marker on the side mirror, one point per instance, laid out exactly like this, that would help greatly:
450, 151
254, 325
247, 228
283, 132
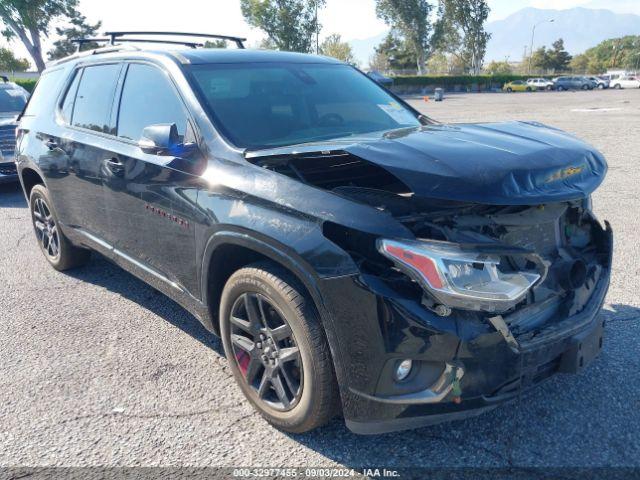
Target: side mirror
163, 139
159, 139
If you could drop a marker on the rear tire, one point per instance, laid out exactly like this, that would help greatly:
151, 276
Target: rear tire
55, 246
256, 301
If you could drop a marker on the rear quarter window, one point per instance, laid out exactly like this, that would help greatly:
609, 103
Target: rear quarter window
44, 94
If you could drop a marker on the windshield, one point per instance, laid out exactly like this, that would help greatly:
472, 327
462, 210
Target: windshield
12, 100
264, 105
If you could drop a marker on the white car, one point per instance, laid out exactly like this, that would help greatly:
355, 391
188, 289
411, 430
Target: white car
540, 83
626, 82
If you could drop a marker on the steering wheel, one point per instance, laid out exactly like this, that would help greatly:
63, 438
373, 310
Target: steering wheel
330, 120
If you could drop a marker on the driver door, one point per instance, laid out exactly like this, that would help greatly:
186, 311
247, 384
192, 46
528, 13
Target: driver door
150, 203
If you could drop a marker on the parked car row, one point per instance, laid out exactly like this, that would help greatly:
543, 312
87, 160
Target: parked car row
576, 82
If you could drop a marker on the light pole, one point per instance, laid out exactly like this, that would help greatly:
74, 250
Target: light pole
317, 31
533, 33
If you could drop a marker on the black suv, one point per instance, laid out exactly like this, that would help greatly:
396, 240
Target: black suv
13, 98
356, 257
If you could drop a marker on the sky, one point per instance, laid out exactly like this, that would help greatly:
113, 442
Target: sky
353, 19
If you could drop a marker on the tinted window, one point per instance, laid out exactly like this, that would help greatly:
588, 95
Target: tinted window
94, 99
42, 96
260, 104
148, 98
67, 105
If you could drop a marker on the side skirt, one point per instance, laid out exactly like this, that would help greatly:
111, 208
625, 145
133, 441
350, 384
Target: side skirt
145, 273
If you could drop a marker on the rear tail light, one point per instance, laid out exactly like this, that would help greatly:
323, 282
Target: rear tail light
459, 278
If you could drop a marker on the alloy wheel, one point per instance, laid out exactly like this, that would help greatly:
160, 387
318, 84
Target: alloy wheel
266, 352
46, 228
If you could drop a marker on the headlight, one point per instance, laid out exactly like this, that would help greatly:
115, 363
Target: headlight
459, 278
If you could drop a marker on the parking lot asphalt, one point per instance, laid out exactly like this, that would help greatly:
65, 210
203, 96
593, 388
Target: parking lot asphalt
96, 368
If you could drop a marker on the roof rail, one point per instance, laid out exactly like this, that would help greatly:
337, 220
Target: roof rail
117, 36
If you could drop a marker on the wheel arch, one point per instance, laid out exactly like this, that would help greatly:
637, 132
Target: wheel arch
30, 177
228, 251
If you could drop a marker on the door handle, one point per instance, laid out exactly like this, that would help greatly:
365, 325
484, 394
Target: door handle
115, 166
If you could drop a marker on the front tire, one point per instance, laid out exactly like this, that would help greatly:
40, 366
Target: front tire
277, 349
56, 247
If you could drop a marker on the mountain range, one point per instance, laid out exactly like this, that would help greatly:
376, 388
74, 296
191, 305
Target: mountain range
580, 28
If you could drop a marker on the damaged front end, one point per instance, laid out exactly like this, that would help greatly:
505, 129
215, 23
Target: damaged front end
485, 301
480, 301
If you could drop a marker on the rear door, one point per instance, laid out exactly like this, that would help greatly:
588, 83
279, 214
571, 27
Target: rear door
87, 110
151, 198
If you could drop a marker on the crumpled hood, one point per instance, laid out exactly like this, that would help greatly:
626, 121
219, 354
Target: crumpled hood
509, 163
514, 163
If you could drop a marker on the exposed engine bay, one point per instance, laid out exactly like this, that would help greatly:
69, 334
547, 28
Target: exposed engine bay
562, 243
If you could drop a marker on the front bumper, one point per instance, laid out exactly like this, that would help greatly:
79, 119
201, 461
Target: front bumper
376, 328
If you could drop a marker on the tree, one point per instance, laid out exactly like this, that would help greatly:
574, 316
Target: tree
411, 19
290, 24
621, 52
499, 68
398, 55
29, 20
541, 60
558, 57
438, 63
379, 61
333, 46
220, 43
460, 30
79, 28
9, 62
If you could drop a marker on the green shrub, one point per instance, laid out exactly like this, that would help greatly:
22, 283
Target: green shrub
450, 81
27, 83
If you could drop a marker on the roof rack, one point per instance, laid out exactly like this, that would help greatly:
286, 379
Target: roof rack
117, 36
83, 41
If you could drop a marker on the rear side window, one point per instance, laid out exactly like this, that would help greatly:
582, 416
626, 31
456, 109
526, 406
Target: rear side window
67, 105
148, 98
92, 108
44, 94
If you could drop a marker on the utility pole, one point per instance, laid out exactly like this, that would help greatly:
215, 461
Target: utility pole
533, 33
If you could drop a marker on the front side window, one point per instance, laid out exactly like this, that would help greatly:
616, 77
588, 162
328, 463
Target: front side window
261, 105
148, 98
94, 99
